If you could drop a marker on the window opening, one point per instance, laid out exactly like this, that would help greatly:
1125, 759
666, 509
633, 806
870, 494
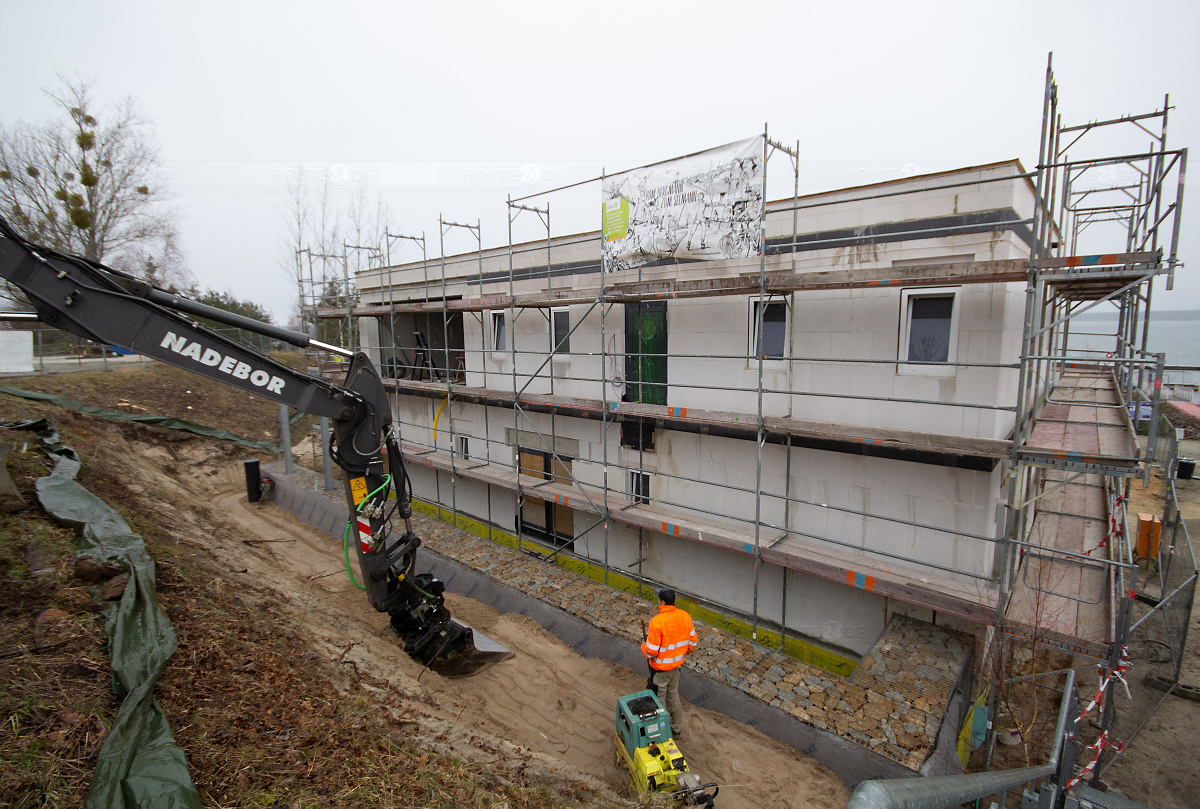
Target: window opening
638, 434
929, 331
546, 519
499, 332
772, 341
639, 486
560, 327
646, 352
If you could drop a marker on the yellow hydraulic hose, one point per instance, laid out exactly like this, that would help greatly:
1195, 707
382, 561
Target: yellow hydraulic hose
438, 415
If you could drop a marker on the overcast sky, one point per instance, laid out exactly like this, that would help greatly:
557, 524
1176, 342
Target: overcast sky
447, 108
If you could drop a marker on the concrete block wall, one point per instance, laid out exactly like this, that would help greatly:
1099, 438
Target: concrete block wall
424, 279
710, 368
856, 209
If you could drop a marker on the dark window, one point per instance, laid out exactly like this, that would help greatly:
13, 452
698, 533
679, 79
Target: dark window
499, 332
772, 341
560, 320
929, 328
638, 434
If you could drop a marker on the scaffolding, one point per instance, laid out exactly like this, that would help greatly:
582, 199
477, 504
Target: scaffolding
326, 299
773, 276
1053, 422
1107, 225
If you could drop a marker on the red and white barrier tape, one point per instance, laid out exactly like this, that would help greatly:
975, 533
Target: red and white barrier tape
1113, 527
1102, 743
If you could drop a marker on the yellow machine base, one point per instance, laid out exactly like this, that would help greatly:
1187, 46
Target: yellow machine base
653, 768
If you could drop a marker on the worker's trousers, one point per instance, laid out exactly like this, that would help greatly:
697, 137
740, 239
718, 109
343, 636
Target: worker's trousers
667, 685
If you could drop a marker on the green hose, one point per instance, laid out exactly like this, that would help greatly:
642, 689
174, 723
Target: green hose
387, 479
346, 556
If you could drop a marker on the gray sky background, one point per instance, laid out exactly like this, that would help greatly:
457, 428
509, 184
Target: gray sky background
448, 108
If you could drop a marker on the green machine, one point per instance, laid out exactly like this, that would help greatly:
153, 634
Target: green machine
649, 754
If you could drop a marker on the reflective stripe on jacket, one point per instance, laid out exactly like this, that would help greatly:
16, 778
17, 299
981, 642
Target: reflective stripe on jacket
669, 638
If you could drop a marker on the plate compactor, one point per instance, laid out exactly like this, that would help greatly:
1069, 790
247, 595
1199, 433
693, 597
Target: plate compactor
648, 752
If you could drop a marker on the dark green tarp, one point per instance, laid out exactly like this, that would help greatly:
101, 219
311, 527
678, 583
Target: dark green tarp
140, 765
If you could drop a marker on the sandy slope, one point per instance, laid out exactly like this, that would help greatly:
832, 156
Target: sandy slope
555, 706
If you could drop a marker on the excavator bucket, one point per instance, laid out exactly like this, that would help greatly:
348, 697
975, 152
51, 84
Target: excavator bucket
432, 636
454, 649
470, 654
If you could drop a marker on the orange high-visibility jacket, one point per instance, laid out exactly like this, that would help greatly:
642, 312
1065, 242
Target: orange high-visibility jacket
670, 637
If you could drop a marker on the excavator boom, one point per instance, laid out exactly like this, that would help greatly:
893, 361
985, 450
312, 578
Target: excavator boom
99, 303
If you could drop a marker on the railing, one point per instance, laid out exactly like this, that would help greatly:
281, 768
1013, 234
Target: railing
1166, 450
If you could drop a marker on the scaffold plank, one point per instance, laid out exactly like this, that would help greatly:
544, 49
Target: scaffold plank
1061, 591
1100, 260
1081, 426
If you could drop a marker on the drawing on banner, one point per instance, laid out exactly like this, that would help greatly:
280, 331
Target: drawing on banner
701, 207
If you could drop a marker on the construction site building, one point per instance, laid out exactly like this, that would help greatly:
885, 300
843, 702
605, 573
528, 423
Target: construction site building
883, 412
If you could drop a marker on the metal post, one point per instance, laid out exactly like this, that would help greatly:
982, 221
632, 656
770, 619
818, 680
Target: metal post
510, 330
285, 439
1124, 619
758, 321
604, 408
326, 459
1155, 403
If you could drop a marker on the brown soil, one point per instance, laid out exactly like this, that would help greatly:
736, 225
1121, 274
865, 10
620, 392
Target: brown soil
287, 689
163, 390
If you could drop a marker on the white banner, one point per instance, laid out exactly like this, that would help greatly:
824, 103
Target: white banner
705, 206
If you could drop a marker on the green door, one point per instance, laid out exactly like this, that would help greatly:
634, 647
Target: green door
646, 352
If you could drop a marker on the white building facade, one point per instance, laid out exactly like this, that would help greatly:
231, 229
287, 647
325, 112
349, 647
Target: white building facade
802, 443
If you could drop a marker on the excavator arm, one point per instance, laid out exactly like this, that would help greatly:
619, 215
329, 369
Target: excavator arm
99, 303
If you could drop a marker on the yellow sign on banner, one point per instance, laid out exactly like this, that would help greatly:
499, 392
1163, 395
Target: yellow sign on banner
358, 489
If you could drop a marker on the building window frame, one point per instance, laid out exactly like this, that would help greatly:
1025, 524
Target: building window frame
560, 335
499, 331
910, 299
777, 346
637, 486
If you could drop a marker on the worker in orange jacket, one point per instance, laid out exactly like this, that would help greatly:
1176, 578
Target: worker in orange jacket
669, 638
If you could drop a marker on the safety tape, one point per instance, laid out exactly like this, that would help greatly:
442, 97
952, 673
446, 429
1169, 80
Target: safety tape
1113, 528
1100, 745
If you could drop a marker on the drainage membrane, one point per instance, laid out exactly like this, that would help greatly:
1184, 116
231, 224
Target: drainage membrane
140, 765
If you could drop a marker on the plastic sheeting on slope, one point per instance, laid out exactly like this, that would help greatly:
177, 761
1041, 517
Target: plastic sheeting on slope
140, 765
157, 421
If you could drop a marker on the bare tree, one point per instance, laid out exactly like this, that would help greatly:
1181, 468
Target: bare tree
88, 181
328, 236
